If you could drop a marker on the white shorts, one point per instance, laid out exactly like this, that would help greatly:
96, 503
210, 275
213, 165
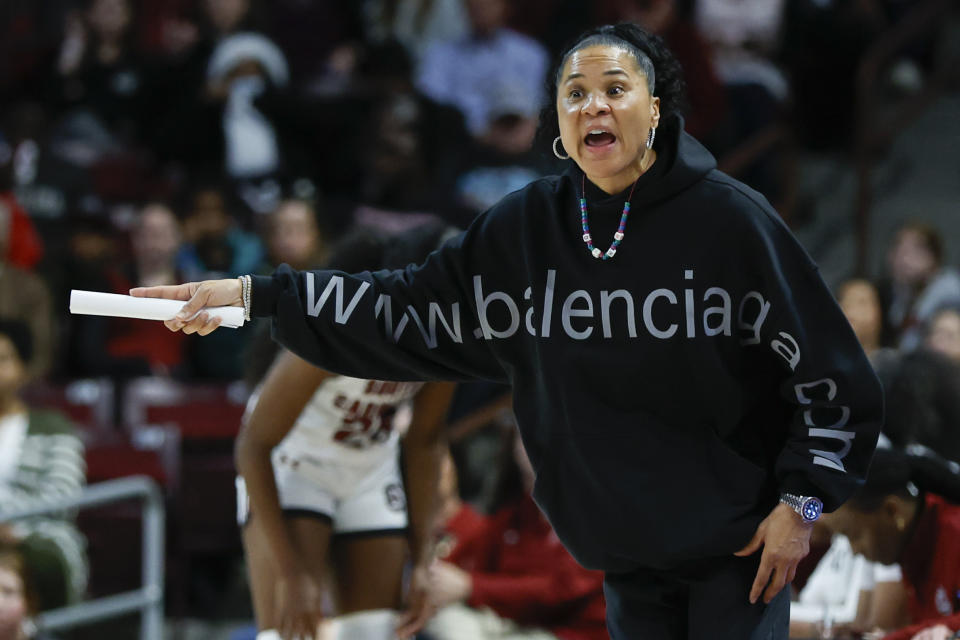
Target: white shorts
367, 500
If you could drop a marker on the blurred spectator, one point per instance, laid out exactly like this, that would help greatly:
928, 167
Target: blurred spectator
19, 164
471, 72
24, 296
918, 283
847, 591
18, 602
189, 37
416, 24
414, 150
943, 333
671, 20
397, 181
908, 512
240, 69
745, 38
507, 575
505, 160
861, 305
187, 34
294, 236
225, 128
99, 73
91, 262
41, 461
922, 399
216, 247
45, 167
121, 347
155, 239
18, 237
136, 347
922, 392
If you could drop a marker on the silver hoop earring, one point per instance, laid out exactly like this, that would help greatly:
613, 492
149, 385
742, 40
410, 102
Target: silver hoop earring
651, 136
557, 153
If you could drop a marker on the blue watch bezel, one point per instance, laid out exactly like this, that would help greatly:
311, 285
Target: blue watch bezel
811, 509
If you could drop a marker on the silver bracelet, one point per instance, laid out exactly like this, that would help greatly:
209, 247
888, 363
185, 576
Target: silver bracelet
245, 286
249, 297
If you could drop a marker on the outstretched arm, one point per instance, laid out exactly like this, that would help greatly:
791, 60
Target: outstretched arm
418, 323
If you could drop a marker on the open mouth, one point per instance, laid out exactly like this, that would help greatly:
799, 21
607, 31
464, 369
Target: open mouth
599, 138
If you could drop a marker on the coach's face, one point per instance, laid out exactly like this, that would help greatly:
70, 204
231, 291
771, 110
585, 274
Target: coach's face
605, 111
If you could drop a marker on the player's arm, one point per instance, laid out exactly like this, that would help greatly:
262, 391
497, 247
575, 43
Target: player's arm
286, 390
423, 450
424, 447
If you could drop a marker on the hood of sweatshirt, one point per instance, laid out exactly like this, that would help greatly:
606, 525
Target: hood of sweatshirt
681, 162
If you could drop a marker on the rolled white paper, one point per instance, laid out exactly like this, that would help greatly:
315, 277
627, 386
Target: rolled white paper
93, 303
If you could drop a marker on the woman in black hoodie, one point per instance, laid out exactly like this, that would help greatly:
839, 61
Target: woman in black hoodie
685, 385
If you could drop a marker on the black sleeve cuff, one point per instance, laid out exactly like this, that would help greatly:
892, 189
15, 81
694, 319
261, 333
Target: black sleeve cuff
264, 292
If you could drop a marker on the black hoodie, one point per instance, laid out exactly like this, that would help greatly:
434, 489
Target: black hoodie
665, 396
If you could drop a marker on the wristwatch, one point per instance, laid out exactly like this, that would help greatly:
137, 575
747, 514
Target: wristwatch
808, 507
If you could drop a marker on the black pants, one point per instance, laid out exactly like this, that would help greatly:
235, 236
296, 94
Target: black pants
709, 601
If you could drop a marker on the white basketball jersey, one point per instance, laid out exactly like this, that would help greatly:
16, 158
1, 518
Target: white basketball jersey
347, 416
358, 414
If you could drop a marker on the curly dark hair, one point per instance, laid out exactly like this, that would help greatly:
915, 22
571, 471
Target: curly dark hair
657, 62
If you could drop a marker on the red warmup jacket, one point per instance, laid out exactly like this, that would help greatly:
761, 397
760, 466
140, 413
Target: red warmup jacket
24, 247
931, 569
521, 571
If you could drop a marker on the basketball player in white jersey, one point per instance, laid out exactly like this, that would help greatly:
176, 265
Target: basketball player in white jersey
321, 493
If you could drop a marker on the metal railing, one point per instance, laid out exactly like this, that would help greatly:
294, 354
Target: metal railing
148, 599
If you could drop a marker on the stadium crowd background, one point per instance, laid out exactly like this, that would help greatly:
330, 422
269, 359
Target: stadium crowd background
147, 142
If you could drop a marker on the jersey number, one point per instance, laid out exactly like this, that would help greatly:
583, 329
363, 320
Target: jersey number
365, 424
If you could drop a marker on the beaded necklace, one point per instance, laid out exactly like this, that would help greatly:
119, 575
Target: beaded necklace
618, 236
